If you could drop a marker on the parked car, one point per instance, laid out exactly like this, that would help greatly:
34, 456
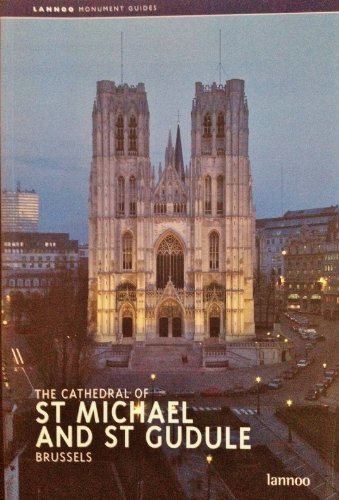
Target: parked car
184, 393
157, 391
294, 369
327, 382
276, 383
237, 390
329, 377
262, 387
331, 371
288, 374
302, 363
212, 391
312, 395
320, 388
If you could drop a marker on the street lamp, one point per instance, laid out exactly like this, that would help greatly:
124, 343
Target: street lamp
289, 403
209, 460
153, 377
258, 380
324, 366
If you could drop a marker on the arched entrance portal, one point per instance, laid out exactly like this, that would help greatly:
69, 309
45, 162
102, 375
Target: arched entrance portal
170, 262
170, 319
214, 320
127, 321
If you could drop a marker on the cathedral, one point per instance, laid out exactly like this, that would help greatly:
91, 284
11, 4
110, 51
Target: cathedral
171, 256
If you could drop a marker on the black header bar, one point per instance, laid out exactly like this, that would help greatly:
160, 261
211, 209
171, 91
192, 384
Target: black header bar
156, 8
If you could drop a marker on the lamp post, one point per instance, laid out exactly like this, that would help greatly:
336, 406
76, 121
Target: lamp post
324, 366
153, 377
289, 403
258, 380
209, 459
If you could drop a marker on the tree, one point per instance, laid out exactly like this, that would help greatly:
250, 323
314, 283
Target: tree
264, 298
56, 326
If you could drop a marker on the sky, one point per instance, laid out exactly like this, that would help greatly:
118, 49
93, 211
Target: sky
290, 64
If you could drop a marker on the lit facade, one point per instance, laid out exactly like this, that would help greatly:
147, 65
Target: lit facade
311, 271
273, 235
19, 211
173, 257
31, 262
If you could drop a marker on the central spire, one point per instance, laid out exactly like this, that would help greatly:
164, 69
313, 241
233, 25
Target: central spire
169, 153
178, 157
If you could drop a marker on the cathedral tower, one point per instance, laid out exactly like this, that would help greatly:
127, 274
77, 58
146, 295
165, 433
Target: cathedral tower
221, 205
119, 200
170, 259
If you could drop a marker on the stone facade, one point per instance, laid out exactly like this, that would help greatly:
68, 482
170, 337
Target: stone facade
171, 257
311, 271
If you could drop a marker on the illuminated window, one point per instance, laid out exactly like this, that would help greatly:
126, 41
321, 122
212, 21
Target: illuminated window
160, 208
132, 135
214, 250
208, 196
127, 251
221, 125
119, 134
207, 125
220, 195
121, 196
170, 263
132, 196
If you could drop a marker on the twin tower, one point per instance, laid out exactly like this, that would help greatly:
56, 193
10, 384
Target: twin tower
171, 255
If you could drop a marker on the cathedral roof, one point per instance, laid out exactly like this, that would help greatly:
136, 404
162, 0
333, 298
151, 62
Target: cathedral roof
171, 182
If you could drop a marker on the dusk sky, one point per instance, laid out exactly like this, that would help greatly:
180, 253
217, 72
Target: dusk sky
290, 64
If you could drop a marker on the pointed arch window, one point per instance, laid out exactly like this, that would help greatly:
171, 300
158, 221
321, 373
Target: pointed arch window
127, 257
220, 195
221, 125
170, 262
121, 196
132, 135
214, 250
132, 196
119, 134
207, 125
208, 196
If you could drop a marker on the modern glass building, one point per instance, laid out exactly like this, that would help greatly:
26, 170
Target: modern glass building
20, 211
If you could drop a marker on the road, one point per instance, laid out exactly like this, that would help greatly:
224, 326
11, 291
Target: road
22, 376
197, 380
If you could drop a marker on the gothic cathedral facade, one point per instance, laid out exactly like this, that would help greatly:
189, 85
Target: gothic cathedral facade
171, 256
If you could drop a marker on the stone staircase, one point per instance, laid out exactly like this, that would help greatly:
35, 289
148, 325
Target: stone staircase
214, 356
162, 357
119, 356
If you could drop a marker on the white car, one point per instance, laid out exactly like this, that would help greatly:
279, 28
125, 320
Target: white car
303, 363
157, 391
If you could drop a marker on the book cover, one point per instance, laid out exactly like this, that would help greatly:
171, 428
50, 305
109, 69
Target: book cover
170, 249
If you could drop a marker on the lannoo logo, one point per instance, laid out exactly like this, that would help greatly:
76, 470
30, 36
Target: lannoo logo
55, 9
288, 481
